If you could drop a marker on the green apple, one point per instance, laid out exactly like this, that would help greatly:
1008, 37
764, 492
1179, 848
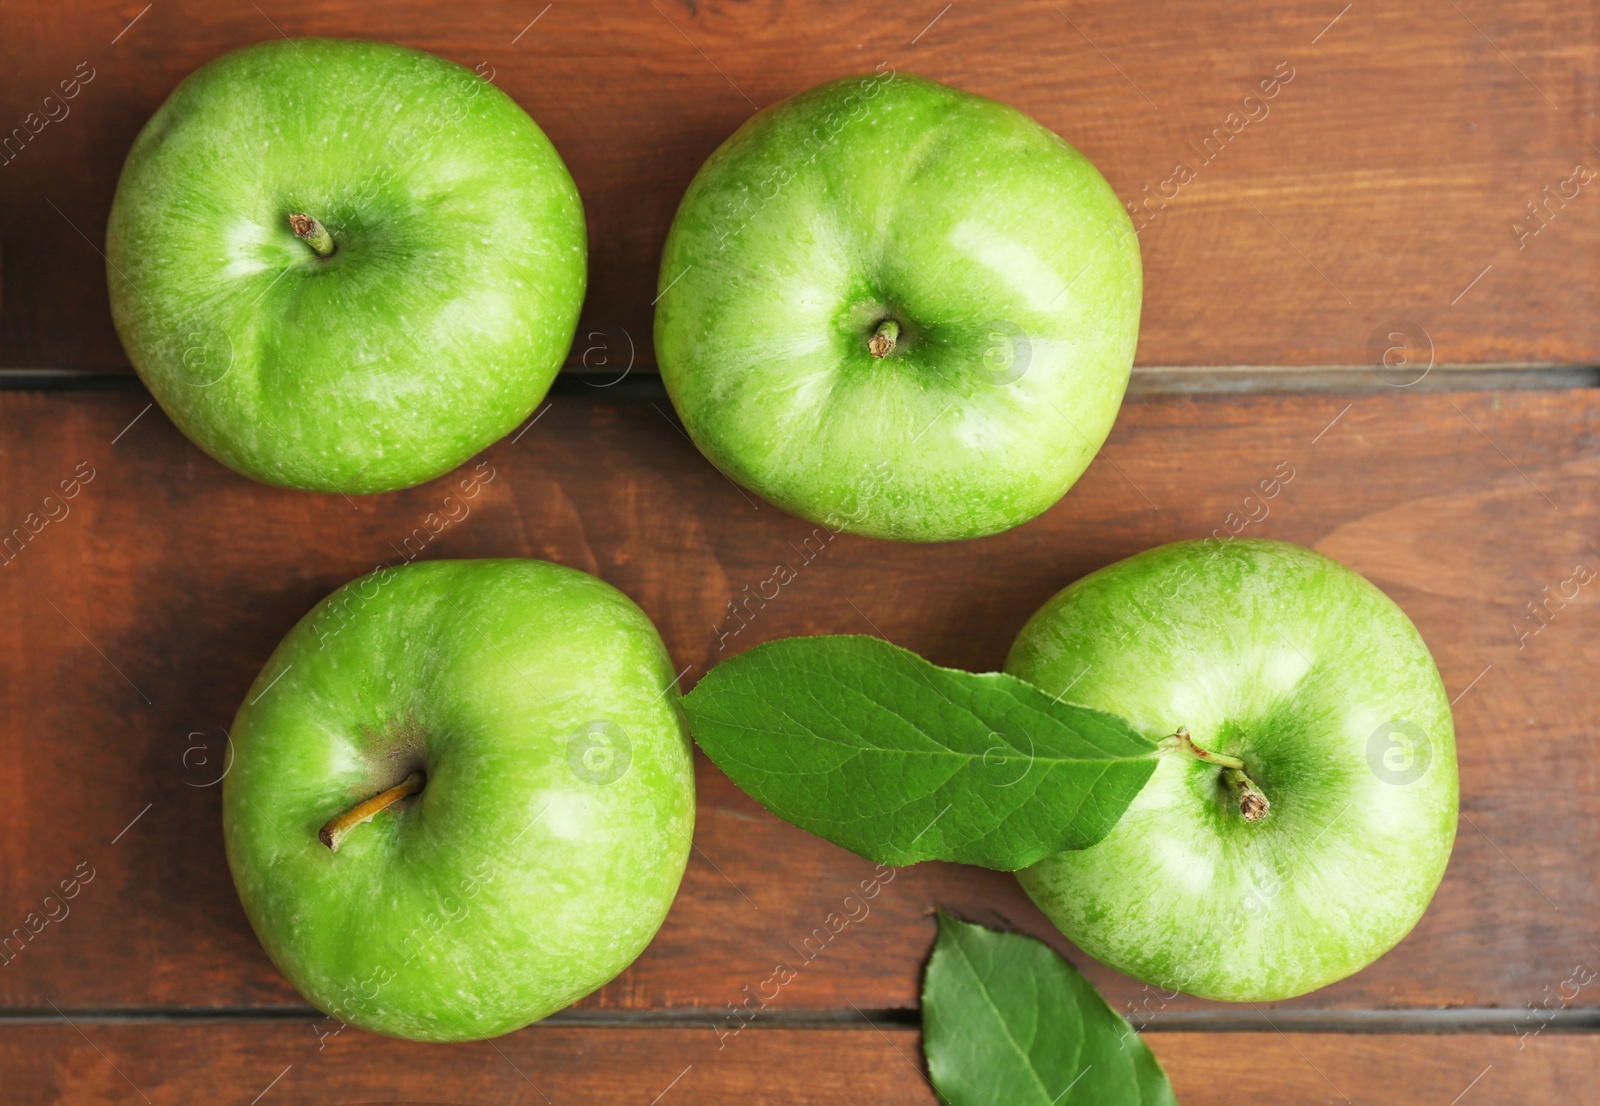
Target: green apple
1301, 827
899, 309
344, 266
461, 796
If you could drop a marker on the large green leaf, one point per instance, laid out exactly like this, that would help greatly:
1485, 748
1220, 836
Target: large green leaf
1006, 1020
899, 760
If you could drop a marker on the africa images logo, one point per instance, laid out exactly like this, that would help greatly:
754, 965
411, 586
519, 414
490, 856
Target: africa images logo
1398, 752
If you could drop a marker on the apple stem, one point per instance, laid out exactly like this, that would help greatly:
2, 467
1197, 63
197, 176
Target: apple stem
338, 827
1252, 801
883, 339
313, 234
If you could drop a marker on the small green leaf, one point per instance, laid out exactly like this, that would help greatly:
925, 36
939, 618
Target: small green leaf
1006, 1019
899, 760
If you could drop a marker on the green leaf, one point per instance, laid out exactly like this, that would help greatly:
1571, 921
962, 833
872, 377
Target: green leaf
1006, 1019
899, 760
1154, 1090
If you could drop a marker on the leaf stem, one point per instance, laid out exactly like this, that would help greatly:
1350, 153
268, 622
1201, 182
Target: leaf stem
1252, 801
1181, 742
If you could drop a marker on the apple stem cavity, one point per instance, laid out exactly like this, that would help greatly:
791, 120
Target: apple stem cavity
313, 234
339, 827
1252, 801
881, 344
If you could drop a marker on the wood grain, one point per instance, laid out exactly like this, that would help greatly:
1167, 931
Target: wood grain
1385, 190
283, 1065
1367, 197
131, 627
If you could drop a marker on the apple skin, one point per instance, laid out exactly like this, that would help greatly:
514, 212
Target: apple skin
1005, 258
548, 841
434, 328
1275, 654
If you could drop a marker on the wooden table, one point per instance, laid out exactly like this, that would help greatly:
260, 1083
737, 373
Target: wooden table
1383, 191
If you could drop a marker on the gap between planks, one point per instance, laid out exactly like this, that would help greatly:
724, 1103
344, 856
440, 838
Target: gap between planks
1422, 1022
1146, 380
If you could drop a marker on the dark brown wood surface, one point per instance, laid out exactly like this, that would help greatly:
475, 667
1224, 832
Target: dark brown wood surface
289, 1065
131, 627
1387, 188
1381, 189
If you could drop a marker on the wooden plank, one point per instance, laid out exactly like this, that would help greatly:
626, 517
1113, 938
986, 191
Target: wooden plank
131, 627
1300, 1069
285, 1065
281, 1065
1379, 185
